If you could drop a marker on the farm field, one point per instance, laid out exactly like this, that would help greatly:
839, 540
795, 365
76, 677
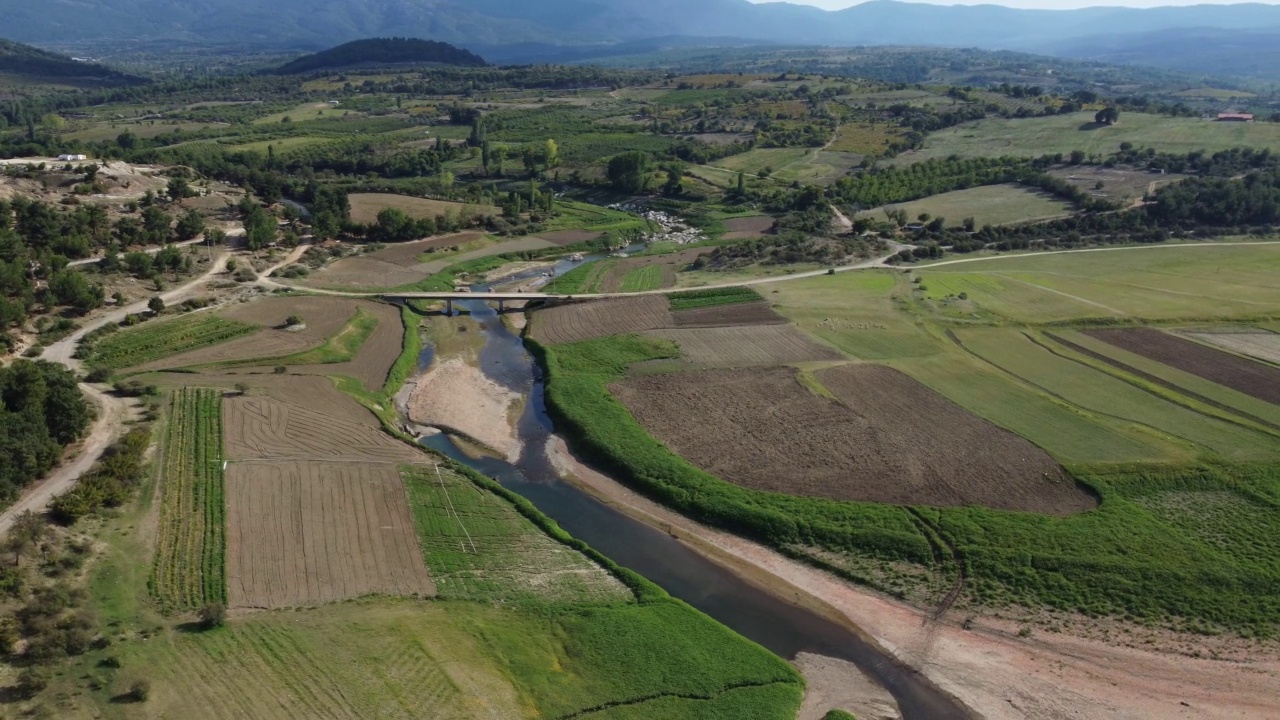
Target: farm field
161, 338
1250, 377
479, 547
303, 418
744, 313
1153, 284
1118, 183
774, 433
864, 138
643, 273
190, 564
583, 321
1260, 344
747, 228
740, 346
366, 206
1032, 137
110, 131
988, 205
1096, 391
307, 533
324, 317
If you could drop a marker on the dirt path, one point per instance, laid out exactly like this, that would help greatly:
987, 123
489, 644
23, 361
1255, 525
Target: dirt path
1001, 676
843, 219
107, 427
113, 413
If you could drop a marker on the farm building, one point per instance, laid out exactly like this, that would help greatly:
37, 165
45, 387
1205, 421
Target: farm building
72, 158
1235, 117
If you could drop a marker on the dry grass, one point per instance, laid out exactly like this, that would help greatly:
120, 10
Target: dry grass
366, 206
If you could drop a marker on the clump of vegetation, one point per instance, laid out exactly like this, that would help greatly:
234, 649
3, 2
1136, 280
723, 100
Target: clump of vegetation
690, 299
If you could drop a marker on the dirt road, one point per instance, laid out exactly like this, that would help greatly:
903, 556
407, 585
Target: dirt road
113, 412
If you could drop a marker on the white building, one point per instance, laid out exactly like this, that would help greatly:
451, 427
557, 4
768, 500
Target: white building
72, 158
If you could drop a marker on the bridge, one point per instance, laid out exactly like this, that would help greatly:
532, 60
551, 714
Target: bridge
501, 298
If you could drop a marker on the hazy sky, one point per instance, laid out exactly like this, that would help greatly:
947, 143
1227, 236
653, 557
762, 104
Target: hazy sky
1040, 4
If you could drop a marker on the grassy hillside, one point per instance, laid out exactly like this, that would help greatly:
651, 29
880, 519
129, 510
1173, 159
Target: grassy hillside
20, 62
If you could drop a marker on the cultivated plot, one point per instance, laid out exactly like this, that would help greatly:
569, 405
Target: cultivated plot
305, 533
888, 439
306, 418
1247, 376
745, 346
480, 547
742, 313
1260, 344
584, 321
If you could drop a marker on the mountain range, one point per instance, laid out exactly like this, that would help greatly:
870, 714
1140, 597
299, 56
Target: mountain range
314, 24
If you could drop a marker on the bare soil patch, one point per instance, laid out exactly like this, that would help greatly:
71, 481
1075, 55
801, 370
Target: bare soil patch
576, 322
365, 272
1247, 376
748, 228
305, 533
1262, 345
752, 313
409, 254
366, 206
888, 440
569, 237
303, 418
745, 346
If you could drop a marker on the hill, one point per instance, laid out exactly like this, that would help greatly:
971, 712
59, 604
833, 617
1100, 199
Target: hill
383, 51
1194, 50
601, 23
28, 64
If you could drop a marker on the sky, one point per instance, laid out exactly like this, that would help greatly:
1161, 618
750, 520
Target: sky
1037, 4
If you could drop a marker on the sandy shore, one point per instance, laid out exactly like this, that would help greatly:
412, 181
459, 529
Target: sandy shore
457, 397
988, 667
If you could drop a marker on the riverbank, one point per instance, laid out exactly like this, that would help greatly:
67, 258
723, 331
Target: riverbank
989, 667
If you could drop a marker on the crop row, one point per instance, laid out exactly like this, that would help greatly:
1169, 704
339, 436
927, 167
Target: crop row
190, 563
707, 298
162, 339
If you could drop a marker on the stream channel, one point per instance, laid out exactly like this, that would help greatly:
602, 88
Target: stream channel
782, 627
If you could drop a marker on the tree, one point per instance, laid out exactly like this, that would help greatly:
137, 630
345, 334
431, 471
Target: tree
156, 304
552, 152
629, 172
140, 690
190, 225
70, 288
215, 236
1107, 116
127, 140
178, 189
242, 388
742, 183
28, 530
674, 186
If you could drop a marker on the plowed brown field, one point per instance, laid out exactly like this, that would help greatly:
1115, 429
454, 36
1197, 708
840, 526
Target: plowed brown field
745, 346
586, 321
890, 440
304, 418
748, 228
1259, 344
1249, 377
305, 533
569, 237
410, 253
371, 365
752, 313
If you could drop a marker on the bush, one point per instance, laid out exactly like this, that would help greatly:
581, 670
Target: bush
30, 683
140, 690
213, 615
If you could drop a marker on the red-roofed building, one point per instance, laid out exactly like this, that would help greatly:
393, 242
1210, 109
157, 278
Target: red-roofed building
1235, 117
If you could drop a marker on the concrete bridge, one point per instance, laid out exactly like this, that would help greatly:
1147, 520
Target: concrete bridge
501, 298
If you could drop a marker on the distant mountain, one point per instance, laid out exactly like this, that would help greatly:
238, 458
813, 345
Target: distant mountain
33, 64
383, 51
1192, 50
601, 23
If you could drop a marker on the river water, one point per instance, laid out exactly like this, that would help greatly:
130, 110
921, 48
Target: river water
778, 625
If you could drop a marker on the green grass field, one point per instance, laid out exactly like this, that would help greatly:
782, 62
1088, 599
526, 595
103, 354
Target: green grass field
987, 205
1165, 283
159, 339
648, 277
1032, 137
281, 145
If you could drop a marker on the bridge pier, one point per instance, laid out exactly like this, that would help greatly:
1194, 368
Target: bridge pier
502, 306
448, 308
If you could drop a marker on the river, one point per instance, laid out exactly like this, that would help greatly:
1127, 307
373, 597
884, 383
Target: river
782, 627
